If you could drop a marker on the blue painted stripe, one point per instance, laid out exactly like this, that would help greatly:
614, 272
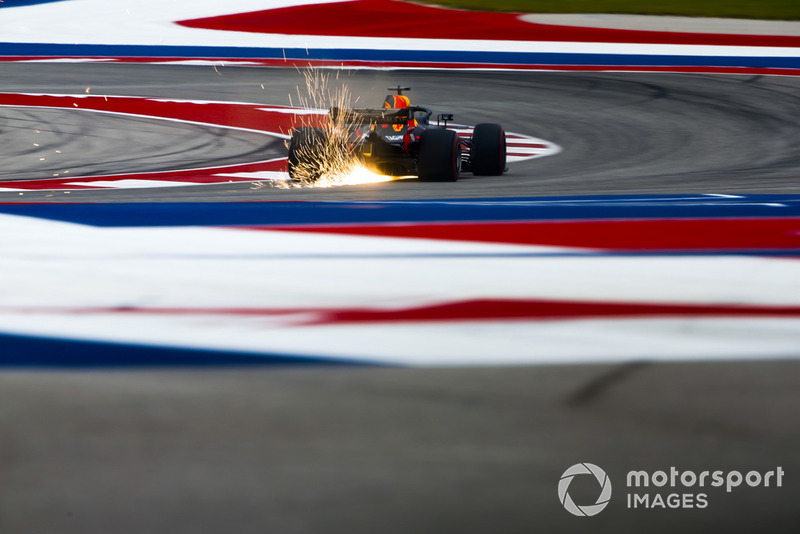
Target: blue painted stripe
395, 56
21, 3
312, 213
23, 351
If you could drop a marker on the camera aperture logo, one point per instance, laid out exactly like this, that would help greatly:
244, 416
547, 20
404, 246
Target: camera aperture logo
586, 510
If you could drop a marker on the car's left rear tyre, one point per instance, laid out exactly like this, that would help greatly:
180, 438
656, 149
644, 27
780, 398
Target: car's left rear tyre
306, 154
439, 157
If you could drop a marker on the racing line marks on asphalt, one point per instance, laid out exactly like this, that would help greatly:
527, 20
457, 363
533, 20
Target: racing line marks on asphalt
275, 121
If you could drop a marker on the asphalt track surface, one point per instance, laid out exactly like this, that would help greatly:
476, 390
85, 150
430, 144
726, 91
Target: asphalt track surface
46, 142
622, 133
419, 450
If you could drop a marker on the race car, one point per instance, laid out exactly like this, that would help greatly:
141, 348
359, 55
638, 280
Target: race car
397, 140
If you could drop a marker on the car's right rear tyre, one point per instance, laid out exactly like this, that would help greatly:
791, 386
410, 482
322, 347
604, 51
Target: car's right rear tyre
439, 157
305, 154
488, 151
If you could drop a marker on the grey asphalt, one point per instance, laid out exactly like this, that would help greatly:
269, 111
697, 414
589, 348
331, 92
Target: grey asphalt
47, 143
425, 450
622, 133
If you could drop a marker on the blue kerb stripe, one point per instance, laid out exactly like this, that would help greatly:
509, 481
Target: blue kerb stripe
32, 352
393, 56
299, 213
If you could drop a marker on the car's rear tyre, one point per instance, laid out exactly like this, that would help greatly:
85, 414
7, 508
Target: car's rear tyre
488, 153
439, 156
305, 153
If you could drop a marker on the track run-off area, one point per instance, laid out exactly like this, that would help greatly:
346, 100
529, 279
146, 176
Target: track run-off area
189, 343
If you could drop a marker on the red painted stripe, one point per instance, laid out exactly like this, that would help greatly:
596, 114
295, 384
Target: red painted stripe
466, 310
249, 116
392, 18
500, 309
622, 235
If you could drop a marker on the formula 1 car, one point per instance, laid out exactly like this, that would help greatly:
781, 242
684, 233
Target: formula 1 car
398, 140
